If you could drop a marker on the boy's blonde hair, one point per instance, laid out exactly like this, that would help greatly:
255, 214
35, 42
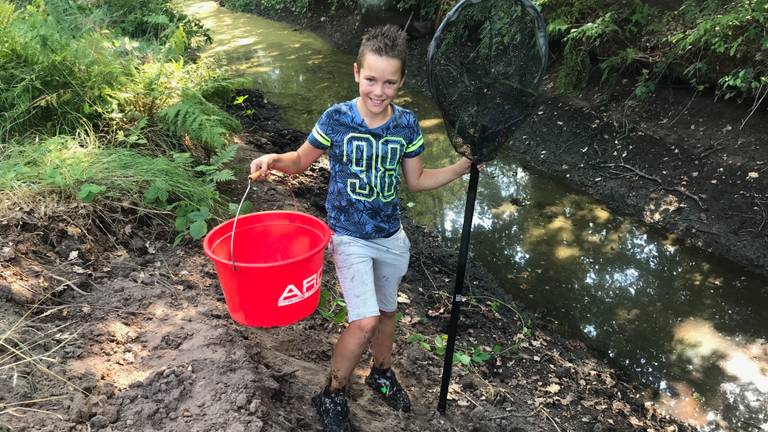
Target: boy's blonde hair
385, 41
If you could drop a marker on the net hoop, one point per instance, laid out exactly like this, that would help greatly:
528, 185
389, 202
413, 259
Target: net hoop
541, 36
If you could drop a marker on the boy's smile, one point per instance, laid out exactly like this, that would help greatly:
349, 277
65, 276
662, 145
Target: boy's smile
379, 79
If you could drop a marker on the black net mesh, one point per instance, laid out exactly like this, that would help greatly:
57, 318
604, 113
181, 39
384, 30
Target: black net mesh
485, 64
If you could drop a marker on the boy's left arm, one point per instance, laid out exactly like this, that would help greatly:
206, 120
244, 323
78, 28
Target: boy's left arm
418, 178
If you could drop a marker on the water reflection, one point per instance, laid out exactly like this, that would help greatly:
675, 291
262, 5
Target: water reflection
685, 324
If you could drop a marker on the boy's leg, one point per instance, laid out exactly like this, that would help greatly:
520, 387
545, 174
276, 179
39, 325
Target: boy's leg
383, 340
353, 259
389, 267
349, 349
354, 268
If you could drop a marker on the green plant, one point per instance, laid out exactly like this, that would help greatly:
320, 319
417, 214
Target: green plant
53, 71
525, 331
475, 355
78, 167
94, 116
332, 308
199, 119
712, 43
192, 217
298, 7
427, 10
240, 5
421, 340
576, 67
154, 20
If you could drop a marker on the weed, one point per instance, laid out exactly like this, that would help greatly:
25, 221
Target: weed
298, 7
468, 356
80, 168
332, 307
92, 114
202, 121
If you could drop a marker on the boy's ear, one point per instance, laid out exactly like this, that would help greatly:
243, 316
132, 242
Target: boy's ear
356, 71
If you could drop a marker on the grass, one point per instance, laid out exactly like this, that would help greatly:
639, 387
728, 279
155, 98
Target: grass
22, 347
100, 102
77, 165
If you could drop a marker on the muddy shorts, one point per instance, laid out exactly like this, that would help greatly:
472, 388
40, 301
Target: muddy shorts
370, 272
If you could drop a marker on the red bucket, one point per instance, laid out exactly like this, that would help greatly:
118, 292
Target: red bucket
275, 277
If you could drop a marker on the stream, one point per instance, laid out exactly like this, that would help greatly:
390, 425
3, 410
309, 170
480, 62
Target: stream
688, 325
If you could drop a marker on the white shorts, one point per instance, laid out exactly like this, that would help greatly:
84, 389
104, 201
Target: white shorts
370, 272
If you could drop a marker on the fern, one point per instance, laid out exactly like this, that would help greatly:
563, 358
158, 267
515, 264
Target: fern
225, 155
177, 43
213, 171
200, 120
221, 176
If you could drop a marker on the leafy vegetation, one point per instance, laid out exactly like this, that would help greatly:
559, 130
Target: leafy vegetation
477, 355
718, 44
102, 102
332, 307
295, 6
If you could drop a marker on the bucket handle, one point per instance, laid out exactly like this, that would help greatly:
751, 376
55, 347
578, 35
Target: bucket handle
254, 176
234, 225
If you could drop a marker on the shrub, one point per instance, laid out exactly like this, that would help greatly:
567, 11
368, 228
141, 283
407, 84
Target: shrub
719, 44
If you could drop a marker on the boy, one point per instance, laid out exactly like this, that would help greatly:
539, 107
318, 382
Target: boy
368, 139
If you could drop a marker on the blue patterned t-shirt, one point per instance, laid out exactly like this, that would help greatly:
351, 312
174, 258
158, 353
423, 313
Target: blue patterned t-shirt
365, 168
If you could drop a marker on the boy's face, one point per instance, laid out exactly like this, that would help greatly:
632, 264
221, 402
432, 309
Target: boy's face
379, 79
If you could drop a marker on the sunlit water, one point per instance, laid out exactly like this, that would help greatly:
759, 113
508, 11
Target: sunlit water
683, 323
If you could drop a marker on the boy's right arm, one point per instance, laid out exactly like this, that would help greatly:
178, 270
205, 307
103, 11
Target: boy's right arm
290, 163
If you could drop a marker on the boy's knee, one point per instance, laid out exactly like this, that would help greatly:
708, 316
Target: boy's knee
366, 326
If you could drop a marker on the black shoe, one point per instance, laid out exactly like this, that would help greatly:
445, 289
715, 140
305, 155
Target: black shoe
333, 411
384, 383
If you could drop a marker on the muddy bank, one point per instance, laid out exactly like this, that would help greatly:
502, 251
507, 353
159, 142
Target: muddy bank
679, 162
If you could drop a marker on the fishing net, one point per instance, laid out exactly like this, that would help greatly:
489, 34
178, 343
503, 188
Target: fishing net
485, 64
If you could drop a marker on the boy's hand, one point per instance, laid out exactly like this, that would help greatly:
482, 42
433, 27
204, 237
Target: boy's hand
464, 165
260, 166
